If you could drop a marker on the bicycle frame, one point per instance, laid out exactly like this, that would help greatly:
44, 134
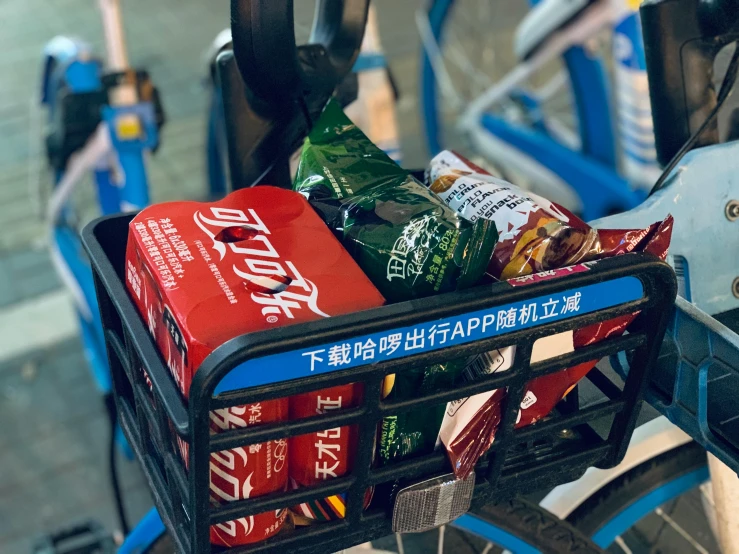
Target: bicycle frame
552, 163
115, 154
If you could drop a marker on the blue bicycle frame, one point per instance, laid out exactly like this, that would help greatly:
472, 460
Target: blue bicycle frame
69, 67
120, 188
593, 170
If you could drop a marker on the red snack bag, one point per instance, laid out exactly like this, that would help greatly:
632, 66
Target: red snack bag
202, 274
535, 235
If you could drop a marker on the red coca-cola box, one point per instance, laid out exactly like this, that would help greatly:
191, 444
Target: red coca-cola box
204, 273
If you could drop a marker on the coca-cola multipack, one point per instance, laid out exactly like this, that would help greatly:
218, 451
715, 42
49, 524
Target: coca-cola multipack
202, 274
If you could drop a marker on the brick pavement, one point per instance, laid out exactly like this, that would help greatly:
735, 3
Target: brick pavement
53, 449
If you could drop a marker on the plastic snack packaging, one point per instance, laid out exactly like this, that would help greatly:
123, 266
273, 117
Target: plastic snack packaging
404, 238
536, 237
204, 273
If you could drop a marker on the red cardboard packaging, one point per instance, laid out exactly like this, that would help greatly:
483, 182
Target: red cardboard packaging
202, 274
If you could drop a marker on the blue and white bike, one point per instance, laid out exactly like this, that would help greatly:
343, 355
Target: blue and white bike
663, 463
576, 138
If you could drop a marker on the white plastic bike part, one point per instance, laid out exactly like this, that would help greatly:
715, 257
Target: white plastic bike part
542, 21
96, 151
221, 40
374, 109
538, 178
725, 488
649, 440
436, 59
699, 210
593, 19
115, 46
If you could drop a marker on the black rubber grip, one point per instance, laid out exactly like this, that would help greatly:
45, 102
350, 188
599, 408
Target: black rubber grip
266, 52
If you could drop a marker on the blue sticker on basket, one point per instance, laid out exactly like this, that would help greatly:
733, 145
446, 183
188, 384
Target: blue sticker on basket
432, 335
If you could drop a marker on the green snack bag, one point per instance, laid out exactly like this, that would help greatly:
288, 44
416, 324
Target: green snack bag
408, 242
412, 433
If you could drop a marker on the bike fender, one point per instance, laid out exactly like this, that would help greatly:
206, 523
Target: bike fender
649, 440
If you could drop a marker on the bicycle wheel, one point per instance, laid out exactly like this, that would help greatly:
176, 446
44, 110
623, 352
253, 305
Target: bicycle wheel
655, 507
468, 47
516, 526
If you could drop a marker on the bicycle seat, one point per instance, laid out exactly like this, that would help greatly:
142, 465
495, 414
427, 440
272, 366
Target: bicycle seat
547, 17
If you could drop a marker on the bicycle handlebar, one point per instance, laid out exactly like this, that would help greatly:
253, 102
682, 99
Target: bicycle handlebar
266, 52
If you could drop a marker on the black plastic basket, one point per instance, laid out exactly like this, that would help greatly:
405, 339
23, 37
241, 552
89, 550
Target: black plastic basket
521, 460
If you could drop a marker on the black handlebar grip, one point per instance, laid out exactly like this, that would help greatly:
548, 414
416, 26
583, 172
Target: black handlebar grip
718, 17
681, 41
266, 53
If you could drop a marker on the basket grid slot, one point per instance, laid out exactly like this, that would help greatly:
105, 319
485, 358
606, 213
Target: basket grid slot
493, 468
152, 420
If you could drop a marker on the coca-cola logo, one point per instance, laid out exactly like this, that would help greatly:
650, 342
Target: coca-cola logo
275, 284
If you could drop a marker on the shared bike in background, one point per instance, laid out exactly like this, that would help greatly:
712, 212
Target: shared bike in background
691, 376
660, 496
103, 119
558, 103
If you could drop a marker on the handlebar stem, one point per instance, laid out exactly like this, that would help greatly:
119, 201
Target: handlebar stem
115, 45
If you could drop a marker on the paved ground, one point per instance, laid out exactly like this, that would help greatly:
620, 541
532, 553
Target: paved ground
53, 449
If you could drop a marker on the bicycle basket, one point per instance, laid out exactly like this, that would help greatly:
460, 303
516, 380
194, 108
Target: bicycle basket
520, 460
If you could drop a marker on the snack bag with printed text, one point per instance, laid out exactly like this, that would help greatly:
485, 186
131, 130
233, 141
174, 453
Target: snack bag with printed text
406, 240
535, 236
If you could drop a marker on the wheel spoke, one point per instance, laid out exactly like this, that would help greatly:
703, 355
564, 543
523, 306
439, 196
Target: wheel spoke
458, 56
682, 532
399, 542
623, 546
